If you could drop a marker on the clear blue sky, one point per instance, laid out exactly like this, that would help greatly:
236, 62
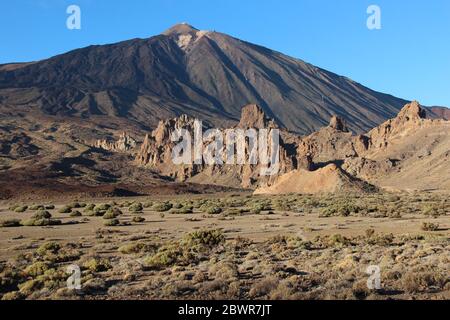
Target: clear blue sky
409, 57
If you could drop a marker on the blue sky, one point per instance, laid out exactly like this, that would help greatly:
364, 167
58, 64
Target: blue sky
409, 57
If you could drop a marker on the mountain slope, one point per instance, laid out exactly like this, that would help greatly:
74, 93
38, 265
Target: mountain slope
204, 74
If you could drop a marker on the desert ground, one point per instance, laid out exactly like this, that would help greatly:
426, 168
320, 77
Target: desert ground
228, 246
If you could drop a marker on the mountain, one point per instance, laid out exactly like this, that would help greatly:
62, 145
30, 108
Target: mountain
208, 75
441, 112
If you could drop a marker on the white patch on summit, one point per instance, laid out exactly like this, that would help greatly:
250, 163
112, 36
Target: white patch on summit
184, 41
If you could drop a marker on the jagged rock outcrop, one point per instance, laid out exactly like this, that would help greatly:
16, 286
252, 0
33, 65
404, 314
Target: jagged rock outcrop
253, 116
156, 153
410, 118
329, 160
338, 124
156, 149
125, 143
331, 144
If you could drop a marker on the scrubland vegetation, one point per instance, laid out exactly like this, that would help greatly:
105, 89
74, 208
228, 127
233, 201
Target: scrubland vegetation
130, 255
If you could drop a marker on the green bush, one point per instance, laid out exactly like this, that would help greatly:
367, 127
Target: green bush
76, 213
36, 207
48, 247
111, 223
97, 265
204, 237
167, 256
162, 207
112, 213
148, 204
41, 214
65, 209
36, 269
41, 222
21, 209
211, 209
136, 207
138, 219
89, 207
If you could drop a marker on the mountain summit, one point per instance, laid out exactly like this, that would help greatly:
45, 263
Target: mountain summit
208, 75
182, 28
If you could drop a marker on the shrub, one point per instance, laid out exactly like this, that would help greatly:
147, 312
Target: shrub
41, 222
257, 208
97, 265
263, 287
50, 207
166, 256
429, 226
111, 223
162, 207
133, 248
89, 207
30, 286
13, 295
212, 209
65, 209
101, 207
423, 281
37, 269
36, 207
204, 237
21, 209
75, 205
136, 207
48, 247
148, 204
76, 213
138, 219
177, 205
112, 213
10, 223
41, 214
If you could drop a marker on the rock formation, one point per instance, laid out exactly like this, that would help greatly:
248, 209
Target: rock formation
329, 179
125, 144
331, 159
156, 153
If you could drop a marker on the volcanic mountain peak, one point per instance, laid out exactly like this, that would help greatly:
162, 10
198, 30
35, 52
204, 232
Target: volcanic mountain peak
204, 74
181, 28
185, 35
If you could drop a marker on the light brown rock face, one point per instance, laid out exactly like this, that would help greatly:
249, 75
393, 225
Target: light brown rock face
331, 159
253, 116
338, 124
410, 118
329, 179
406, 152
332, 143
125, 144
156, 150
156, 153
